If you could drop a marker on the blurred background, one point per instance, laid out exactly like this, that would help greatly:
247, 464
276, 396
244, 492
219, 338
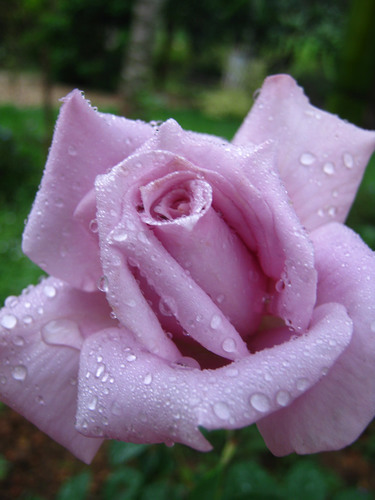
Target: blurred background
199, 61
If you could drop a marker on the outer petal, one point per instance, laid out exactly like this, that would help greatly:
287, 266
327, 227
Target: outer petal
334, 412
320, 157
129, 394
39, 379
85, 144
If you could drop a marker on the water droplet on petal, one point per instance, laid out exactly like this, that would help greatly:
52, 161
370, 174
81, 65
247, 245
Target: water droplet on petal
260, 402
18, 341
103, 284
92, 405
49, 291
348, 160
131, 357
8, 321
72, 150
62, 332
302, 384
27, 319
215, 322
148, 379
3, 380
11, 301
19, 372
229, 345
93, 226
221, 410
307, 159
329, 168
283, 398
100, 370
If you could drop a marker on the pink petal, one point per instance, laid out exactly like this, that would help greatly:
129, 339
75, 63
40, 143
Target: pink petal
205, 246
85, 144
40, 334
129, 394
332, 414
321, 158
249, 194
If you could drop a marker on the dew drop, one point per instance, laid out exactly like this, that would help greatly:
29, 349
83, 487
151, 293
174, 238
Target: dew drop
103, 284
220, 298
19, 372
229, 345
348, 160
302, 384
123, 236
280, 285
49, 291
8, 321
72, 150
116, 408
215, 322
100, 370
27, 320
3, 380
40, 400
93, 226
260, 402
62, 332
130, 303
148, 379
283, 398
11, 301
131, 357
307, 159
92, 405
18, 341
221, 410
329, 168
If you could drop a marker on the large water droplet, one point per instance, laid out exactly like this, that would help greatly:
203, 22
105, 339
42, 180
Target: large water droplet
329, 168
348, 160
302, 384
215, 321
49, 291
307, 159
100, 370
8, 321
11, 301
229, 345
221, 410
93, 226
260, 402
283, 398
147, 379
92, 405
19, 372
62, 332
103, 284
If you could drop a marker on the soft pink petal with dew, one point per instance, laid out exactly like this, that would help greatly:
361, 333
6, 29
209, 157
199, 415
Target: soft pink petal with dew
86, 143
129, 394
249, 194
41, 333
125, 238
321, 158
208, 249
332, 414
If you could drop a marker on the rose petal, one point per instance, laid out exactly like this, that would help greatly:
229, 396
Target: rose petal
145, 399
204, 245
250, 195
334, 412
85, 144
123, 234
39, 336
321, 158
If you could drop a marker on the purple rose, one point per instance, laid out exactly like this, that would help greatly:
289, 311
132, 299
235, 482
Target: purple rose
229, 293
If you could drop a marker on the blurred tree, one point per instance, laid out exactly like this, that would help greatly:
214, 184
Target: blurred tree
137, 71
355, 95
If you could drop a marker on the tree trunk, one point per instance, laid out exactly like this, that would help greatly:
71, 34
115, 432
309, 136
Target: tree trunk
137, 71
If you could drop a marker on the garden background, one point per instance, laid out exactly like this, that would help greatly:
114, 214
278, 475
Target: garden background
200, 62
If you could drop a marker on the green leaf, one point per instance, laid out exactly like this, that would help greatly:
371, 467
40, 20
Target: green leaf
249, 480
120, 453
306, 481
124, 484
76, 487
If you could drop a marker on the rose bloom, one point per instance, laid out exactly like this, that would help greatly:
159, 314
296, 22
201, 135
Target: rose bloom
196, 282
